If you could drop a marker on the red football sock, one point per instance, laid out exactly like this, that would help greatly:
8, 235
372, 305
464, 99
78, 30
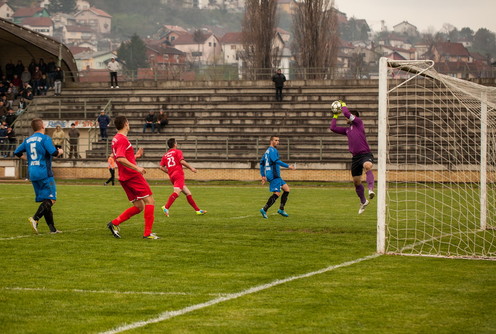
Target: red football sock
126, 215
191, 202
171, 200
149, 218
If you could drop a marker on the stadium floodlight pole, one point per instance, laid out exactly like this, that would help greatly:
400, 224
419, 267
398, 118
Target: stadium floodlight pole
381, 158
483, 163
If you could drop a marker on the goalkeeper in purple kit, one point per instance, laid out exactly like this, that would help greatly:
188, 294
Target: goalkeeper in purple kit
359, 148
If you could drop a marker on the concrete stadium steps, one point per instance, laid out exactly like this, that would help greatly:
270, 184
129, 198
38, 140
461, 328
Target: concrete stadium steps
223, 122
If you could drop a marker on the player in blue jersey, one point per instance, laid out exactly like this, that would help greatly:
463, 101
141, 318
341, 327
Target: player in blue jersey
270, 171
39, 151
359, 148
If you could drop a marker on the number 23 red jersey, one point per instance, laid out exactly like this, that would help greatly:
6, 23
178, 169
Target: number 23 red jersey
172, 160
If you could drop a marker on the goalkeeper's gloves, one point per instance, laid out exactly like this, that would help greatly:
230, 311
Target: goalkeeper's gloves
335, 115
343, 104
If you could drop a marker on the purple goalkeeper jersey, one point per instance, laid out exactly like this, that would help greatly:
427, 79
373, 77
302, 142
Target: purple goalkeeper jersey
357, 142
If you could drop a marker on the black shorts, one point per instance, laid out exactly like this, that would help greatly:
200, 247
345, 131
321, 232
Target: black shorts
357, 163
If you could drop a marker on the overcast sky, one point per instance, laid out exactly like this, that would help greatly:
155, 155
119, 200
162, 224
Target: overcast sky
426, 15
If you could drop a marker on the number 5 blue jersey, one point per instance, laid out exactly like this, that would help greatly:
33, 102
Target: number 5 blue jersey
39, 149
270, 162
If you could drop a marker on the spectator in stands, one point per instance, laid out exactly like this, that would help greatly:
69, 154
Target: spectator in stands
279, 80
113, 67
51, 68
22, 106
74, 142
111, 167
19, 68
26, 76
58, 77
10, 117
6, 103
162, 120
11, 94
17, 83
42, 65
10, 70
35, 80
150, 121
58, 138
3, 140
32, 65
103, 122
3, 111
43, 85
11, 141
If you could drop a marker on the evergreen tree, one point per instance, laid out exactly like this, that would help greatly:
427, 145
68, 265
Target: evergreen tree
133, 53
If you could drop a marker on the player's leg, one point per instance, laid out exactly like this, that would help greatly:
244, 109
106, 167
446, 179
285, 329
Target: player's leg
170, 200
191, 201
137, 207
149, 204
367, 166
284, 199
275, 187
49, 220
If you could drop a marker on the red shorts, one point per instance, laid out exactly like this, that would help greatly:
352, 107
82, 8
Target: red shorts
136, 188
177, 179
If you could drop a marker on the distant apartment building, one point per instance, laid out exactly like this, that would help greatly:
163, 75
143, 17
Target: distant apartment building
96, 18
42, 25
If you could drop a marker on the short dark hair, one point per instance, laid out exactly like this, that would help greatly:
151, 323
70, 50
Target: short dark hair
355, 112
171, 142
37, 124
119, 122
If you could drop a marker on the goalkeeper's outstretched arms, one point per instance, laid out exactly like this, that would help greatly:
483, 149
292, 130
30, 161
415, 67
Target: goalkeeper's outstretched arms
333, 126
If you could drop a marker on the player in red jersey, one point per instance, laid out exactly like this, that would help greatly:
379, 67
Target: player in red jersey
172, 164
132, 181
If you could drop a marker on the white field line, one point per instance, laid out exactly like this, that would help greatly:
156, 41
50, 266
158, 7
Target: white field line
46, 233
106, 291
171, 314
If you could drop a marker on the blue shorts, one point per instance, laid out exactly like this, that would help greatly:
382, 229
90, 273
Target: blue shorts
45, 189
276, 184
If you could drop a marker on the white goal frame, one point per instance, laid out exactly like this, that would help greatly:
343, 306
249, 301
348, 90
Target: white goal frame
485, 98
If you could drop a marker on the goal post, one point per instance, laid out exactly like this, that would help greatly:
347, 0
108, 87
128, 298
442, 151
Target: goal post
436, 163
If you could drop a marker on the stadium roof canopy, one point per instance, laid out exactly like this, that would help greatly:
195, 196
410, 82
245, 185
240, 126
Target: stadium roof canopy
19, 43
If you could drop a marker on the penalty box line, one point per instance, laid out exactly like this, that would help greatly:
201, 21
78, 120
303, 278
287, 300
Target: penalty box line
171, 314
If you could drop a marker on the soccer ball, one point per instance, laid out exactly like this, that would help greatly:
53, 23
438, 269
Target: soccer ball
336, 107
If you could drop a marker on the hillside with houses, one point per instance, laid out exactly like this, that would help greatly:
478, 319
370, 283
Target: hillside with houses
173, 50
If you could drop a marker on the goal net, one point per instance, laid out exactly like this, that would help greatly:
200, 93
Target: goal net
436, 163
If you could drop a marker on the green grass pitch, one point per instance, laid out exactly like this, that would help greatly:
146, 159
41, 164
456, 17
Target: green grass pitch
86, 281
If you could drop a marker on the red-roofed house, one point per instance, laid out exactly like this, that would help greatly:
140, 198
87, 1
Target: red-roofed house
232, 45
455, 60
42, 25
24, 12
445, 52
6, 12
95, 17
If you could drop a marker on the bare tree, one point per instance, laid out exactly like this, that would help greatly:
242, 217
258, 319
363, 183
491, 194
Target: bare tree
258, 34
316, 37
